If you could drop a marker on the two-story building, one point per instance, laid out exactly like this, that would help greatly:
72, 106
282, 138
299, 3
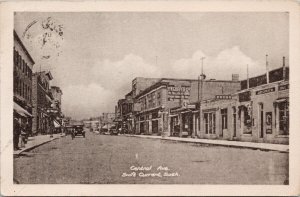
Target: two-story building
172, 102
22, 82
125, 109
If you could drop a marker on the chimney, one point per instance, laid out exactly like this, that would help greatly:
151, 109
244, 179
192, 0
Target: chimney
235, 77
283, 69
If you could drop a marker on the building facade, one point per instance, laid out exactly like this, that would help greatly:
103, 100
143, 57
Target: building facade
42, 99
22, 83
257, 113
169, 107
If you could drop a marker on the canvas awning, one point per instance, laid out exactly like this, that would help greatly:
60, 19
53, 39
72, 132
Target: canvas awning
56, 124
20, 110
108, 126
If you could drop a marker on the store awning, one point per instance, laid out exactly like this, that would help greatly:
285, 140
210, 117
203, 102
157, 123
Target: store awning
108, 126
56, 124
20, 110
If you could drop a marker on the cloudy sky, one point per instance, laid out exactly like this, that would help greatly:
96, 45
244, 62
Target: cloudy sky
98, 54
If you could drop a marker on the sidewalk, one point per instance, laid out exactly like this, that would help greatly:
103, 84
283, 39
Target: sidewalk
237, 144
36, 141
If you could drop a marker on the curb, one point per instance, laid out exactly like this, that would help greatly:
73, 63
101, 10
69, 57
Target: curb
37, 145
213, 144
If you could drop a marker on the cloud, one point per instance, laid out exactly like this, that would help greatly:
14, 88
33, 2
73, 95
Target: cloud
81, 101
114, 74
222, 66
104, 83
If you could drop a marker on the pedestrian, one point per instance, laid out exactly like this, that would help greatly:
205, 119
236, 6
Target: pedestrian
16, 134
27, 131
23, 135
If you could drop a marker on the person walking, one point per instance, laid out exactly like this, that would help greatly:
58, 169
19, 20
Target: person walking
23, 135
16, 134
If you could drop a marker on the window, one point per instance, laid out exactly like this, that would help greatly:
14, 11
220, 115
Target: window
224, 118
247, 120
25, 91
206, 122
210, 122
20, 87
283, 118
23, 65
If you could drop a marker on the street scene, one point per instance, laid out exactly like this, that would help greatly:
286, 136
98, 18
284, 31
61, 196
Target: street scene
151, 98
106, 159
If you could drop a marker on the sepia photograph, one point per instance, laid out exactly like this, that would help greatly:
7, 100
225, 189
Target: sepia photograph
150, 98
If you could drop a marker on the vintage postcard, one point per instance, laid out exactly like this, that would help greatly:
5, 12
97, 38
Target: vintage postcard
150, 98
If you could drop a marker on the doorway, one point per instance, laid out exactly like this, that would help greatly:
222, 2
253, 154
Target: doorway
261, 120
234, 122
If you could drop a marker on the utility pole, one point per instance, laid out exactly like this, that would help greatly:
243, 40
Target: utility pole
267, 68
247, 76
200, 99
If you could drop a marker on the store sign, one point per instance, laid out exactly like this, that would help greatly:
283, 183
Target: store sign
245, 96
223, 97
265, 91
178, 92
186, 105
190, 106
283, 87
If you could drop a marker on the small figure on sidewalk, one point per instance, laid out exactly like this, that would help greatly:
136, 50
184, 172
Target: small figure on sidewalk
23, 136
16, 134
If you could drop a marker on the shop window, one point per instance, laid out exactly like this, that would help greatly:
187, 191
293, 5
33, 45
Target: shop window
210, 123
283, 118
224, 118
206, 122
247, 121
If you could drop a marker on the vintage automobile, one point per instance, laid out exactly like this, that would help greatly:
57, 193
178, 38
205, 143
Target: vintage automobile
113, 130
78, 130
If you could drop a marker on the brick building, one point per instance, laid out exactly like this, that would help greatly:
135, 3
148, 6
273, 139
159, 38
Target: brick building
42, 99
22, 82
171, 102
125, 109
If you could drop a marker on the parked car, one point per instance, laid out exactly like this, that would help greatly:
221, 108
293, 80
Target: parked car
78, 130
113, 130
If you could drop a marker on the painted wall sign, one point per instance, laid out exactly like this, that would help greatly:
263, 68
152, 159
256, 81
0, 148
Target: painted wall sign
223, 97
265, 91
283, 87
178, 92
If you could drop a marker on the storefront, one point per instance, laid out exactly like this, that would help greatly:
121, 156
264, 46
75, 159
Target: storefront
150, 122
265, 116
219, 118
184, 120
